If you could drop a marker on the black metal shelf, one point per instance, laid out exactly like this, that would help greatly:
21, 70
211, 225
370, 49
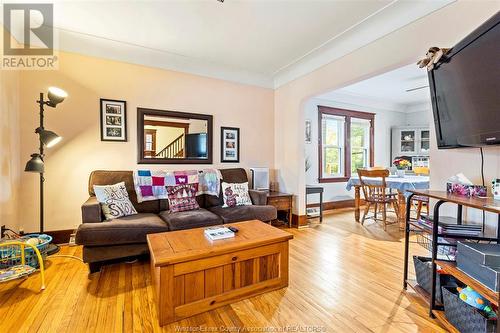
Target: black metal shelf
481, 236
411, 225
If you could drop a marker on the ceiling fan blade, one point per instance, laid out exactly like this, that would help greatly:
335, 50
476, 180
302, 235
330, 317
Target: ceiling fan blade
417, 88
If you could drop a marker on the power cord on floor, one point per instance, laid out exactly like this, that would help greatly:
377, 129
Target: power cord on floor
64, 256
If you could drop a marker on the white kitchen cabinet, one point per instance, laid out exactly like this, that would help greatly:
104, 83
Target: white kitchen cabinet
412, 142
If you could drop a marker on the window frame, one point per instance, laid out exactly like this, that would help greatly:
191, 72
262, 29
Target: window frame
347, 114
340, 146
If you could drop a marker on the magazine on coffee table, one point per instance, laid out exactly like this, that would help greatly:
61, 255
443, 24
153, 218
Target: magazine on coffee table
216, 233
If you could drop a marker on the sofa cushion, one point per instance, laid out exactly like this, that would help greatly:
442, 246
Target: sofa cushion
235, 194
102, 177
124, 230
233, 175
190, 219
243, 213
182, 197
114, 200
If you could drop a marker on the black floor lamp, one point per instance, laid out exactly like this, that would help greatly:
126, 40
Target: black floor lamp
47, 139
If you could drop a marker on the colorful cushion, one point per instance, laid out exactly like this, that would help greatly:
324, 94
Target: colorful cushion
235, 194
114, 200
182, 197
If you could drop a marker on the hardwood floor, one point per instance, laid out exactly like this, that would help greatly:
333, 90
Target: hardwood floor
343, 278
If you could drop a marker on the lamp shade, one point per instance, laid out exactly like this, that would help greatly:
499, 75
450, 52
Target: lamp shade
48, 138
35, 164
56, 96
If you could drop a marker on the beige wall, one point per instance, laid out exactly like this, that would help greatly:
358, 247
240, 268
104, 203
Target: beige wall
272, 123
87, 79
443, 28
10, 167
448, 162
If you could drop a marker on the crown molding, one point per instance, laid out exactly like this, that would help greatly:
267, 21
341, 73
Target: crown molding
389, 19
360, 101
71, 41
363, 101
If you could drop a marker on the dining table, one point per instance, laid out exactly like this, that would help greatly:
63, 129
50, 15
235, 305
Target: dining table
401, 184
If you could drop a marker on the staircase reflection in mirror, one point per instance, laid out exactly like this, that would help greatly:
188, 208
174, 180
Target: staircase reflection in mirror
173, 137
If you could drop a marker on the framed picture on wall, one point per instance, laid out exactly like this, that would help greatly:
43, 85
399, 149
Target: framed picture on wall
230, 144
113, 120
308, 131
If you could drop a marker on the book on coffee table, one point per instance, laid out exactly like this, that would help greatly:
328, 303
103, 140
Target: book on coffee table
215, 233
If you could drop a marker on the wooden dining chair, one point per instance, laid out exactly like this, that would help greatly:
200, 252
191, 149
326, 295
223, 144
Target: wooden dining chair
421, 171
377, 194
421, 201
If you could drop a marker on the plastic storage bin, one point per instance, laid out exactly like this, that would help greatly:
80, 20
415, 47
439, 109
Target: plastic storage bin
11, 255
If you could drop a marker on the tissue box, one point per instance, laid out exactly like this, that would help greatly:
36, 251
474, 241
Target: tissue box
466, 190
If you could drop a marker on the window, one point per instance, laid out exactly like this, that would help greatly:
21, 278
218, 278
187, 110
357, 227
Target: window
346, 143
332, 134
360, 144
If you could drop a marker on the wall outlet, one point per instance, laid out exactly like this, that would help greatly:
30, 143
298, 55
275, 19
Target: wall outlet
72, 240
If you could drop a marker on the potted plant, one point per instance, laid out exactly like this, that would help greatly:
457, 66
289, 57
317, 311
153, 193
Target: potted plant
402, 165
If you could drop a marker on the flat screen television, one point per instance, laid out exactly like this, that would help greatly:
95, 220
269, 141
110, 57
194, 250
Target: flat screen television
196, 145
465, 90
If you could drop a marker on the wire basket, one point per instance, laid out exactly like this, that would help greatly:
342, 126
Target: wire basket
447, 248
11, 255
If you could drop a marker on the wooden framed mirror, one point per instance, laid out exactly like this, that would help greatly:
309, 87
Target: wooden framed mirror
172, 137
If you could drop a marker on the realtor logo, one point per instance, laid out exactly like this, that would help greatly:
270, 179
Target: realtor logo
28, 36
36, 21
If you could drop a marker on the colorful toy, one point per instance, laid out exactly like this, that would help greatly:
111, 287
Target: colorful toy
473, 298
432, 57
22, 270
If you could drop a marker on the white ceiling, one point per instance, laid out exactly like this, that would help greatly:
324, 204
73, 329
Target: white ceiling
249, 41
390, 88
259, 36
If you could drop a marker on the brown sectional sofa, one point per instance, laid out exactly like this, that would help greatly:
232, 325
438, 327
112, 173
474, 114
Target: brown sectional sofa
126, 237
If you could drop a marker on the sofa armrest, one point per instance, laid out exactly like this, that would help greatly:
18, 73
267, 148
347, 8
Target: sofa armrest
258, 197
91, 211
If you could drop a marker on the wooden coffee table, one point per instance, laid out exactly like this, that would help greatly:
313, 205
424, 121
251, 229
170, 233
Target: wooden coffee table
192, 274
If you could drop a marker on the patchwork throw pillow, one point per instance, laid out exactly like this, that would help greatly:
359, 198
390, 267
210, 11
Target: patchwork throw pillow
182, 197
235, 194
114, 200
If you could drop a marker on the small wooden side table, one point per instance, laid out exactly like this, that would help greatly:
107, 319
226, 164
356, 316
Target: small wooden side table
282, 201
